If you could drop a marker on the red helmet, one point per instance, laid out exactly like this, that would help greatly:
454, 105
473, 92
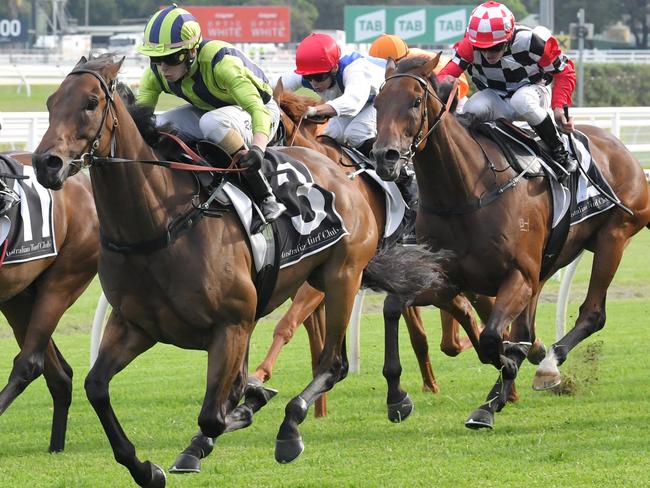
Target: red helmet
317, 53
490, 24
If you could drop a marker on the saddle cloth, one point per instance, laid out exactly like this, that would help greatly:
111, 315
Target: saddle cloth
31, 234
310, 224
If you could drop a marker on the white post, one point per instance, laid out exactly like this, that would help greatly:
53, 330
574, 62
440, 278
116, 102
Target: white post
563, 297
354, 334
98, 328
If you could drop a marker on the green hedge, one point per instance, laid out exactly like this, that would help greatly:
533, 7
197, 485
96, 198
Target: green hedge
616, 85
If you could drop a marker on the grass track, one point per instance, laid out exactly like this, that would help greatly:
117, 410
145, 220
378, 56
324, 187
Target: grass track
599, 437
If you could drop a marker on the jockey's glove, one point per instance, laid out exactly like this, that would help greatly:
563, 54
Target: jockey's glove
252, 159
311, 112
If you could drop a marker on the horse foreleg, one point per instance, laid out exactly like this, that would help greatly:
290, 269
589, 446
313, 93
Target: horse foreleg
515, 351
513, 297
304, 303
451, 343
420, 346
120, 344
315, 326
398, 402
340, 289
58, 376
591, 318
460, 309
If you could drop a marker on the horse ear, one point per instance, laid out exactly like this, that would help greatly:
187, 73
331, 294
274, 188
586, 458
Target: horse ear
278, 90
390, 67
81, 61
431, 64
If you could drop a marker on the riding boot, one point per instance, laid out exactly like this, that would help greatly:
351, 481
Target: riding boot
547, 131
407, 185
365, 147
262, 193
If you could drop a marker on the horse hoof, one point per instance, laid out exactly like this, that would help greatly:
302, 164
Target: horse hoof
546, 380
397, 412
286, 450
432, 388
158, 477
480, 419
186, 463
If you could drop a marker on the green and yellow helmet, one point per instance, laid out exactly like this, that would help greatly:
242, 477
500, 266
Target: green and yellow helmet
170, 30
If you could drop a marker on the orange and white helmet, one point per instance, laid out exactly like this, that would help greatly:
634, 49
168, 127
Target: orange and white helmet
490, 23
388, 46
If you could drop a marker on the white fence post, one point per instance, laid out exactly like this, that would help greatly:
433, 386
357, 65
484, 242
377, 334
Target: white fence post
98, 327
563, 297
354, 333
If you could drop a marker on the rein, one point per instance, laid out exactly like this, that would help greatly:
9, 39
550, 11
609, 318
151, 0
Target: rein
88, 159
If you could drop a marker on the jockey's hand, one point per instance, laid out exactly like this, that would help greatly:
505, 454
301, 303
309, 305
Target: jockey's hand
251, 158
562, 123
310, 112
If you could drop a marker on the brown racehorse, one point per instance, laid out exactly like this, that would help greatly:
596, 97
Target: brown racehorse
35, 294
303, 132
495, 254
194, 289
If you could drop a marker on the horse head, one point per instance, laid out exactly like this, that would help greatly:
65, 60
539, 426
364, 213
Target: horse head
404, 104
80, 125
293, 107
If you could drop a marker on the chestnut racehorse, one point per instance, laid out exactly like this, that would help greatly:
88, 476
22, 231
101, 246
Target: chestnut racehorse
193, 289
496, 254
35, 294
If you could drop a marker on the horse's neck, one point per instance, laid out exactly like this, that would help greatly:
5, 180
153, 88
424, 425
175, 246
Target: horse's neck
148, 195
306, 139
449, 167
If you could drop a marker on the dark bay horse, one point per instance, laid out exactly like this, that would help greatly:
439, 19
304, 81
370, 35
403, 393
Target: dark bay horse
35, 294
499, 245
194, 290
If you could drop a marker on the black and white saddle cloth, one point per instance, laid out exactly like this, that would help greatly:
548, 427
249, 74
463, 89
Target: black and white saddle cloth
310, 224
31, 231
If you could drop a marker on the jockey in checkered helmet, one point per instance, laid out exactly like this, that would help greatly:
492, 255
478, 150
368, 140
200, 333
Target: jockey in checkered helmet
520, 73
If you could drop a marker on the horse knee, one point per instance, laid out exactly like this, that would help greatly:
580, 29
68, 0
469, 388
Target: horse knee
212, 425
392, 308
96, 391
451, 350
27, 368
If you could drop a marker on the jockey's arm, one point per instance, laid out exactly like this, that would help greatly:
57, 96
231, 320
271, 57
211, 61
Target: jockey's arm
564, 81
357, 81
149, 90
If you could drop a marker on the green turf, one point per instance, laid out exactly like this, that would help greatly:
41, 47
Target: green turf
598, 437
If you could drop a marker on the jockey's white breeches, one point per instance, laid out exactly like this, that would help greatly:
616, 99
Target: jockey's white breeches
352, 131
530, 103
217, 124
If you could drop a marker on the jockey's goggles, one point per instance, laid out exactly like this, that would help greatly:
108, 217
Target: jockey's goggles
494, 49
318, 77
173, 59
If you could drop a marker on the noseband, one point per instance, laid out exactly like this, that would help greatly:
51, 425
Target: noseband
426, 86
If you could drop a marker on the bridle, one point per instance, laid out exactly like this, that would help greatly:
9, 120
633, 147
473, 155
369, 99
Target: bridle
87, 158
428, 92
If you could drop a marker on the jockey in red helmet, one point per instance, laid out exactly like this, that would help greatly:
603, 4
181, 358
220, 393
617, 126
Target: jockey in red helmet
348, 84
513, 67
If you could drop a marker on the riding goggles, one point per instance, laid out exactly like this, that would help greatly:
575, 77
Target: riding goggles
173, 59
318, 77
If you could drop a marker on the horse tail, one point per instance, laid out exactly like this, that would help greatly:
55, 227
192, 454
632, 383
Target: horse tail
406, 271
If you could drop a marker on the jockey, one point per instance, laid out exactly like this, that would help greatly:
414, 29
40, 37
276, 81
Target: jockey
392, 46
512, 66
348, 84
230, 99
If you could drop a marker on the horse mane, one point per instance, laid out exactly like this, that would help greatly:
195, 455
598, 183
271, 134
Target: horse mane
295, 105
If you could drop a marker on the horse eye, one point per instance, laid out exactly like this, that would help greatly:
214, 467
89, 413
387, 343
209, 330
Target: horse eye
417, 102
92, 104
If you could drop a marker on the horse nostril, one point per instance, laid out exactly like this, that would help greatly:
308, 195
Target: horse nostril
53, 162
391, 155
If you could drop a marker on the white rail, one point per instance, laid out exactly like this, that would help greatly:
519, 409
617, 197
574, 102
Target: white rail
23, 130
